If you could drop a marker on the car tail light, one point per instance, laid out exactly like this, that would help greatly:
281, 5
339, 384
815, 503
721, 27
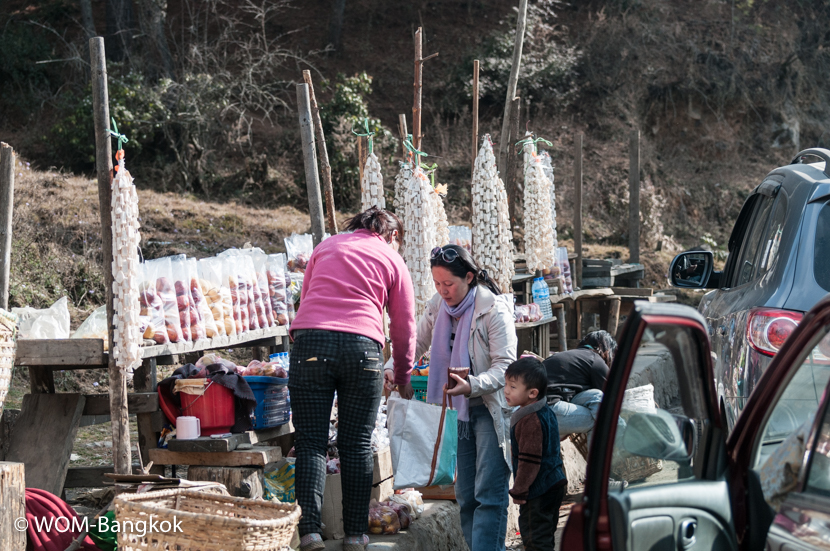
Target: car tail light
769, 328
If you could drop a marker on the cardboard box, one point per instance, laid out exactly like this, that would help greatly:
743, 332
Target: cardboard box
332, 511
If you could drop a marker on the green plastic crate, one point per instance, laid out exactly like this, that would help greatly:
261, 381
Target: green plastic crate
419, 385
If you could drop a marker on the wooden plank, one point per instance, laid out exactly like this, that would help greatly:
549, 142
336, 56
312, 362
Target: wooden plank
417, 86
137, 402
41, 380
270, 336
43, 438
60, 352
475, 113
577, 271
7, 421
230, 443
644, 292
324, 155
7, 159
258, 456
634, 197
13, 505
312, 180
240, 481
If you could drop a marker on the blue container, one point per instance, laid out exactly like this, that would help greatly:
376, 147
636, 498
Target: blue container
272, 405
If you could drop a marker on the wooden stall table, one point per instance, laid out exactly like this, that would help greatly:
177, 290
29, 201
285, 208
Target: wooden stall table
534, 336
629, 296
44, 434
588, 301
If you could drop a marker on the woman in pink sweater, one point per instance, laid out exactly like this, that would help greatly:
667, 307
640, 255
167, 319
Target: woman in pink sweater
338, 338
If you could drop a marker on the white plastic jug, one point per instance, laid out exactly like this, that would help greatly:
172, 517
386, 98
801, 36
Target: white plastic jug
188, 428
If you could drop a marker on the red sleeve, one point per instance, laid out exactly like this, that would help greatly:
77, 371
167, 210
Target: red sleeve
401, 307
528, 434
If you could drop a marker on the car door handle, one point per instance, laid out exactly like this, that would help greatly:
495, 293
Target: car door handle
687, 533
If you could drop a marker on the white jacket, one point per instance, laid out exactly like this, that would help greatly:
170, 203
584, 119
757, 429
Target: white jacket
492, 347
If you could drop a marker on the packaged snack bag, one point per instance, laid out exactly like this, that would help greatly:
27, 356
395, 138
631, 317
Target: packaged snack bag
199, 299
158, 287
189, 319
239, 300
217, 296
275, 273
260, 260
298, 249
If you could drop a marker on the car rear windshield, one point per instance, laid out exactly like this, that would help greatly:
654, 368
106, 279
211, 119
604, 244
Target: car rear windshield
821, 264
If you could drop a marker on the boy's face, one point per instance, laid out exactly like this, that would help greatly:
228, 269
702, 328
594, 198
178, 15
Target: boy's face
517, 394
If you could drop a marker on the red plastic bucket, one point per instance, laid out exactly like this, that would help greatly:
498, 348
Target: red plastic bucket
214, 408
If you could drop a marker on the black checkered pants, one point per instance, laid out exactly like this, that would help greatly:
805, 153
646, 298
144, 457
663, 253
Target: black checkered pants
323, 362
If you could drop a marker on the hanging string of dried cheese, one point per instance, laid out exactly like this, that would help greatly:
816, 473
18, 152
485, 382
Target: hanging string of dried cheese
403, 176
420, 225
539, 243
372, 184
547, 166
125, 239
492, 239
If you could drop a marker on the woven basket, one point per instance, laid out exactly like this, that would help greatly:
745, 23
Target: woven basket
629, 468
207, 522
8, 334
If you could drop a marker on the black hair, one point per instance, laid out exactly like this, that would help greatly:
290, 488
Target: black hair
377, 220
464, 264
531, 372
602, 343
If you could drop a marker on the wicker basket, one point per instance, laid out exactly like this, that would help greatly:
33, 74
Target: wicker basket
207, 522
629, 469
8, 334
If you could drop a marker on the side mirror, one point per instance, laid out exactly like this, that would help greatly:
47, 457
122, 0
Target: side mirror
660, 435
692, 269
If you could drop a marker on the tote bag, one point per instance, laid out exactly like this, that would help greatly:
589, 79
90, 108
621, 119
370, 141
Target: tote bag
424, 442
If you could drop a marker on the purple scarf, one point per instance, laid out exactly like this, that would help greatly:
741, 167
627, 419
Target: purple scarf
441, 359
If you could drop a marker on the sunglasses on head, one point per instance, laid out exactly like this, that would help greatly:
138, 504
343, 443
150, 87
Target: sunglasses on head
447, 255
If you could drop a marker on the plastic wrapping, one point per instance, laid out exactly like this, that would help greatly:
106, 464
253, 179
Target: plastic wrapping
192, 325
157, 291
402, 510
94, 327
257, 368
217, 295
383, 520
564, 271
239, 298
526, 313
199, 299
275, 273
261, 290
298, 249
414, 499
461, 236
279, 481
48, 323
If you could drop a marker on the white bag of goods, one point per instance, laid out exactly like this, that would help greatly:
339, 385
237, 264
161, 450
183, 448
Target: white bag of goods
277, 290
492, 237
95, 327
47, 323
298, 249
639, 400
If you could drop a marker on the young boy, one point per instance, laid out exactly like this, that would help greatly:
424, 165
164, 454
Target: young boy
539, 478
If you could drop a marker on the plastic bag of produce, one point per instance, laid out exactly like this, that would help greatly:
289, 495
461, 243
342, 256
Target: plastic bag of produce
414, 499
157, 291
402, 510
383, 520
256, 310
239, 300
217, 296
95, 327
279, 480
48, 323
275, 273
245, 270
298, 249
193, 328
199, 299
461, 236
260, 260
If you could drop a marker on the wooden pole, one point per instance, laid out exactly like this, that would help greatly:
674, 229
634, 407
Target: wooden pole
634, 197
7, 157
13, 505
512, 82
402, 132
324, 155
475, 112
578, 211
312, 180
362, 154
514, 179
103, 162
416, 104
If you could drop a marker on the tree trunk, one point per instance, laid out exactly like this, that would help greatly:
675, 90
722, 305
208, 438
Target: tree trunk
336, 28
86, 18
152, 16
118, 43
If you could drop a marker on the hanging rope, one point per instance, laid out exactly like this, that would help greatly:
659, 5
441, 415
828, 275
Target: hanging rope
412, 151
122, 139
533, 141
367, 134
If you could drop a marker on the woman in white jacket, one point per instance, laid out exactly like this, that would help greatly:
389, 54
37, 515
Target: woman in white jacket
469, 324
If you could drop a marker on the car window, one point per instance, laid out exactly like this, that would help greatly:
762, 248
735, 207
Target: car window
821, 262
663, 411
736, 238
752, 242
795, 408
772, 240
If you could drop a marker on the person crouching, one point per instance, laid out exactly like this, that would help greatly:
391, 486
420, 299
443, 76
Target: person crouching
539, 476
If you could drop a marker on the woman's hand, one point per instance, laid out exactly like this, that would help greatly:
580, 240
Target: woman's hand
389, 380
462, 387
405, 391
519, 501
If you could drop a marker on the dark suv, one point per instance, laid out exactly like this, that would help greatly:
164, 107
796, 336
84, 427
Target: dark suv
778, 268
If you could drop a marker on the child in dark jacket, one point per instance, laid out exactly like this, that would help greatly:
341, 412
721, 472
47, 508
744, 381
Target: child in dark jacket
539, 476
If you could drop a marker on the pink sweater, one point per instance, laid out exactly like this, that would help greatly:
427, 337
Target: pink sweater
348, 281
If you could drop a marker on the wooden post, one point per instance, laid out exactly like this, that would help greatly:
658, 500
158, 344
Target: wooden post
578, 211
402, 131
504, 139
475, 112
634, 197
103, 163
13, 505
315, 202
145, 380
514, 178
416, 104
360, 162
324, 155
7, 157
